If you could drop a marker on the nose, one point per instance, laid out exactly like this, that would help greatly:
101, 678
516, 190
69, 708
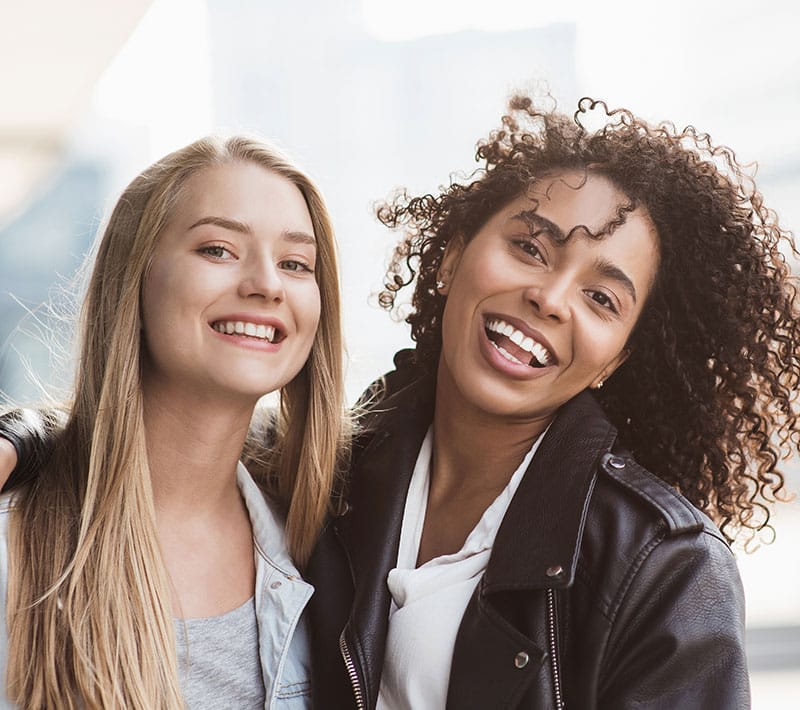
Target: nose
261, 278
550, 300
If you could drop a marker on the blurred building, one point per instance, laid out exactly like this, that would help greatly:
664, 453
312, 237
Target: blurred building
366, 114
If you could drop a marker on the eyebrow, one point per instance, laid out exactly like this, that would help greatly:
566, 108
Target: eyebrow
534, 219
235, 225
611, 271
602, 266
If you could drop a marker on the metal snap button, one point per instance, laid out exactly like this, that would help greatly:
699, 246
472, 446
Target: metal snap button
554, 571
616, 462
521, 659
274, 585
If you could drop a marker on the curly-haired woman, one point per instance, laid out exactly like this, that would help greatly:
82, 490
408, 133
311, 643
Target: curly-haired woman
542, 493
604, 380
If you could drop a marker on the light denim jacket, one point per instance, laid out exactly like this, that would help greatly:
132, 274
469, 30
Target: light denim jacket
281, 595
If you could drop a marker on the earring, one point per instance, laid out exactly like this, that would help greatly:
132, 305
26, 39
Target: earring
439, 285
599, 385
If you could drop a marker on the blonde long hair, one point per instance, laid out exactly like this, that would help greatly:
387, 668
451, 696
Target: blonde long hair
90, 624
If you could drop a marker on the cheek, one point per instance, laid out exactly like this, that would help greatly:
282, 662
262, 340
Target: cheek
600, 347
483, 274
171, 299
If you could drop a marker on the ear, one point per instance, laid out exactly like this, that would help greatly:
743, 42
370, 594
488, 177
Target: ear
611, 368
449, 265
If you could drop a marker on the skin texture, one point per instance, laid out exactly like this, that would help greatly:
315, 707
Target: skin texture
580, 296
259, 267
520, 271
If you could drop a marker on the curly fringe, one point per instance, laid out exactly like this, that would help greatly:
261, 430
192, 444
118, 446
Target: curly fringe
708, 399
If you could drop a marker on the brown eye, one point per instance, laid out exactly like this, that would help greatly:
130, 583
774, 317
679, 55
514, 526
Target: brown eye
531, 248
296, 266
603, 299
215, 251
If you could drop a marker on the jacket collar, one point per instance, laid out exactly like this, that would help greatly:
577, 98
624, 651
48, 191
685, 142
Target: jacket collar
548, 511
370, 531
538, 541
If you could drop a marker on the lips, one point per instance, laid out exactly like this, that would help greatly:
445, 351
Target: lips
517, 346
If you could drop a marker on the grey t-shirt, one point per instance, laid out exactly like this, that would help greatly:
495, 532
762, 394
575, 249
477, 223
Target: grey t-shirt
218, 661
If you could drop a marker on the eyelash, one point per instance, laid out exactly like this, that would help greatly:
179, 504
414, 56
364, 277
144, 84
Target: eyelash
208, 249
303, 266
609, 305
527, 245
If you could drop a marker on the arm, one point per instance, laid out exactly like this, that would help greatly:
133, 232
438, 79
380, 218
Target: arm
8, 460
26, 437
677, 640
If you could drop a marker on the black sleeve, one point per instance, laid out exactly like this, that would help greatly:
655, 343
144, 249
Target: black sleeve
31, 432
678, 638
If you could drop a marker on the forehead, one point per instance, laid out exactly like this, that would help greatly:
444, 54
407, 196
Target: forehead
577, 201
245, 192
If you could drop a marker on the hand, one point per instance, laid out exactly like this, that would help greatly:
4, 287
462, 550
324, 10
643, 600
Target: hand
8, 460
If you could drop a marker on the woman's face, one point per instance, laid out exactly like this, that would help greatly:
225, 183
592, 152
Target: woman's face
230, 305
531, 319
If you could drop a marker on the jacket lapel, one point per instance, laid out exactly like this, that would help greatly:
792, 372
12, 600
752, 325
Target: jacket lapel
503, 636
538, 541
370, 532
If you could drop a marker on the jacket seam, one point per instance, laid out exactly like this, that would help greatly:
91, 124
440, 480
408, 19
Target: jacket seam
633, 569
662, 508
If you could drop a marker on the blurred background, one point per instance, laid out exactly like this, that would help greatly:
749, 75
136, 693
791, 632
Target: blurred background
369, 95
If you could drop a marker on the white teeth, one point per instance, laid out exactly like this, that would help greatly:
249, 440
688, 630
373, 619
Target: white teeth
253, 330
527, 344
519, 338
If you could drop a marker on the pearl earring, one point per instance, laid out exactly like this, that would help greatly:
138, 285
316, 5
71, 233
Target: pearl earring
439, 285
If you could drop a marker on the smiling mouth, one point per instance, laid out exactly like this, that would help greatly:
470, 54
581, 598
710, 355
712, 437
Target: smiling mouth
515, 346
256, 331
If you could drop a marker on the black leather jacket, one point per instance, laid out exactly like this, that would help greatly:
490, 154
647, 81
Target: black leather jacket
605, 587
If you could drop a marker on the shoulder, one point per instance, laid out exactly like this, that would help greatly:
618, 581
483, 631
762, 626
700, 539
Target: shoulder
7, 505
641, 532
621, 476
659, 583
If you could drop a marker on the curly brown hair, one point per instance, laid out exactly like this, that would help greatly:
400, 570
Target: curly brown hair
708, 397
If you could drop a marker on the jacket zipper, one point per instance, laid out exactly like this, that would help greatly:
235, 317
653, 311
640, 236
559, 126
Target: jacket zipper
552, 640
351, 672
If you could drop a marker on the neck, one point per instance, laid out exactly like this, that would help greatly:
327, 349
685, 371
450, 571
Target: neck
194, 442
474, 449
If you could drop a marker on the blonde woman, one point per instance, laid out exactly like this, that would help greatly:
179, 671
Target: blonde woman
143, 566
